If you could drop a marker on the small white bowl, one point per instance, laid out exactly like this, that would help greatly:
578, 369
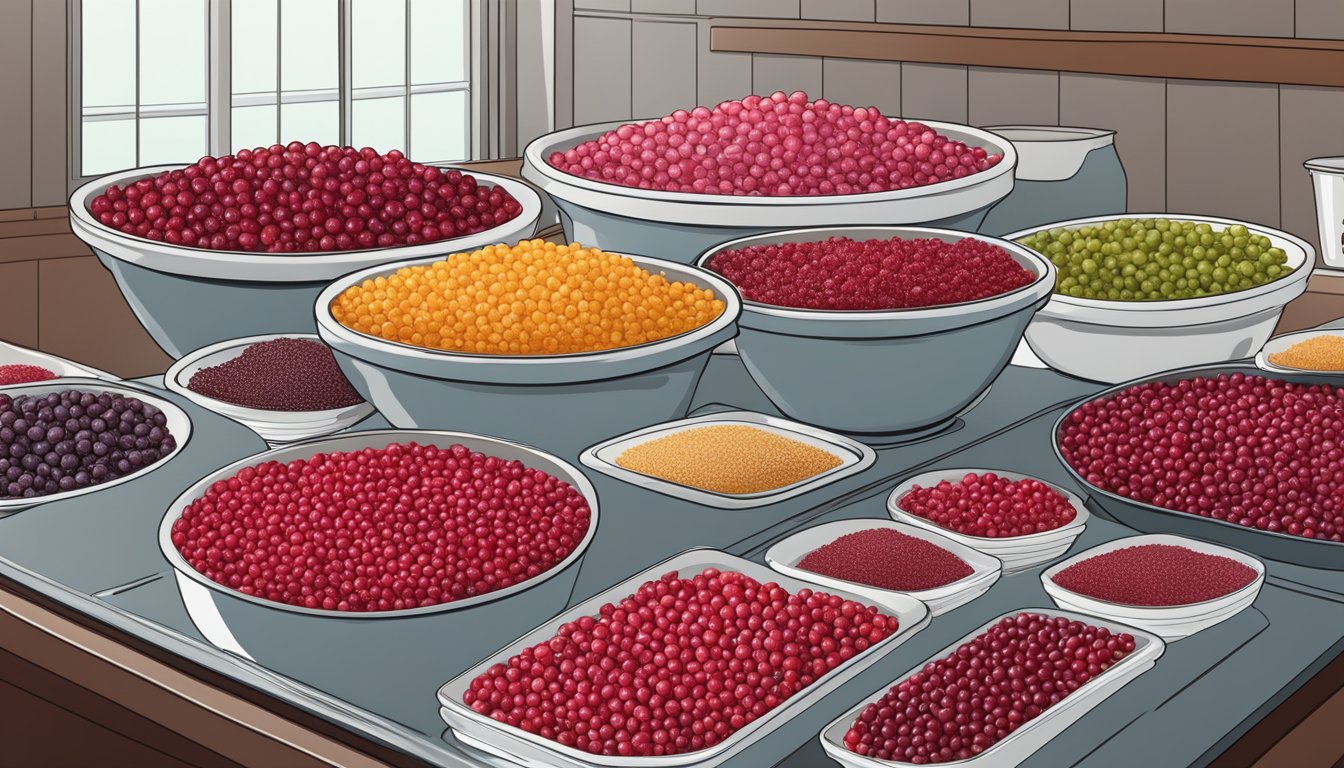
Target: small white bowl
179, 426
1280, 343
13, 354
1017, 553
276, 427
785, 555
1170, 622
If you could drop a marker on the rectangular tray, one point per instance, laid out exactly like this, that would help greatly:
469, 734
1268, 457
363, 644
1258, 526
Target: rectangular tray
513, 743
854, 456
1023, 742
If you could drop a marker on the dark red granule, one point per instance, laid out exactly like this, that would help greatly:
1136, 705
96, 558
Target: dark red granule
677, 667
1250, 450
23, 374
1155, 575
65, 441
279, 375
959, 706
887, 559
990, 506
845, 274
304, 198
404, 526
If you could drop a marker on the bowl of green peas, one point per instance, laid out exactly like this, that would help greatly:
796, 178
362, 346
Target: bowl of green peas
1138, 294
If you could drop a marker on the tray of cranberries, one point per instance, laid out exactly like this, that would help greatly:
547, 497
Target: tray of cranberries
1036, 671
687, 663
1225, 453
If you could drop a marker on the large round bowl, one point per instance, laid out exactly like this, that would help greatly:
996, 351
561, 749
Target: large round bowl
306, 639
884, 372
679, 225
1114, 341
562, 403
188, 298
1149, 518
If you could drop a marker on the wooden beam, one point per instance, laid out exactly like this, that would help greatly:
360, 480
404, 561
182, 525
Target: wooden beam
1190, 57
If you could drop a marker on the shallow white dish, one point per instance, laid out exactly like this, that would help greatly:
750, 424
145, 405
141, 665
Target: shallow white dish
1170, 622
13, 354
854, 456
178, 424
274, 426
785, 555
519, 746
1031, 736
1017, 553
1280, 343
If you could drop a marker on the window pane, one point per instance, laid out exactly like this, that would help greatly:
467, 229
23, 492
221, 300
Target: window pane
379, 42
107, 53
254, 45
173, 41
318, 121
172, 139
439, 42
107, 145
309, 41
253, 127
380, 123
439, 131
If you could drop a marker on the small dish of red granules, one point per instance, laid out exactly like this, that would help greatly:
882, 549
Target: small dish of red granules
1170, 585
876, 557
21, 365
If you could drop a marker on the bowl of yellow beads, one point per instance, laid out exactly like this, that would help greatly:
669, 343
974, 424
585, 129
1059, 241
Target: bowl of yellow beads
556, 346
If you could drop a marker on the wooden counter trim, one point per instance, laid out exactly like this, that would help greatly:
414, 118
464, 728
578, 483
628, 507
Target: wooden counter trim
1189, 57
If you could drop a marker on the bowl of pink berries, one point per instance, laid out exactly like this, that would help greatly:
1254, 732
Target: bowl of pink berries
382, 524
285, 387
1019, 519
240, 245
1229, 454
674, 186
845, 328
21, 365
1172, 586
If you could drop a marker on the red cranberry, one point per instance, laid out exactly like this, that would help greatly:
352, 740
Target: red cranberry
279, 375
1155, 575
990, 506
887, 559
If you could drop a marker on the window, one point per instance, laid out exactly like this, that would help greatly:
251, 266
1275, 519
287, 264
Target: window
167, 81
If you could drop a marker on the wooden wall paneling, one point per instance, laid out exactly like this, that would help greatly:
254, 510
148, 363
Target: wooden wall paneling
82, 316
1320, 19
50, 119
16, 92
1112, 16
678, 7
1136, 109
933, 92
751, 9
1310, 121
770, 73
1028, 14
950, 12
18, 309
1221, 158
863, 83
1012, 97
719, 76
601, 70
1256, 18
663, 72
840, 10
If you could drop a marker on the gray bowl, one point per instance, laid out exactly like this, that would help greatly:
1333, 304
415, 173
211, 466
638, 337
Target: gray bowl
1148, 518
678, 225
560, 403
189, 298
886, 372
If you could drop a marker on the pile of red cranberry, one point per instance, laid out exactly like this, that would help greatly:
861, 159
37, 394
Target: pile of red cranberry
304, 198
776, 145
676, 667
1155, 575
1249, 450
406, 526
19, 373
887, 559
961, 705
990, 506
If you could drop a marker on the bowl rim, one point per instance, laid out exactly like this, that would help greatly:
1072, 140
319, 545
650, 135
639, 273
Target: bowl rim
1040, 266
92, 385
534, 157
574, 477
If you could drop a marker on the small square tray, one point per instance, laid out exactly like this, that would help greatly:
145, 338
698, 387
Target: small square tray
854, 457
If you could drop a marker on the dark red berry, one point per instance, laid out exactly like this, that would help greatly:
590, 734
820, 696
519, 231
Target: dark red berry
279, 375
1155, 575
990, 506
887, 559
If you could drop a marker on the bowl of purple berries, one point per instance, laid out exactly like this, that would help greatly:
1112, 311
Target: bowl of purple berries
68, 437
284, 387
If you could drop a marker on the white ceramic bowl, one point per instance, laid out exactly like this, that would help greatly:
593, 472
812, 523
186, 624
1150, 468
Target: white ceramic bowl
1280, 343
178, 423
273, 426
786, 554
562, 403
1017, 553
1170, 622
678, 226
1115, 341
188, 298
13, 354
